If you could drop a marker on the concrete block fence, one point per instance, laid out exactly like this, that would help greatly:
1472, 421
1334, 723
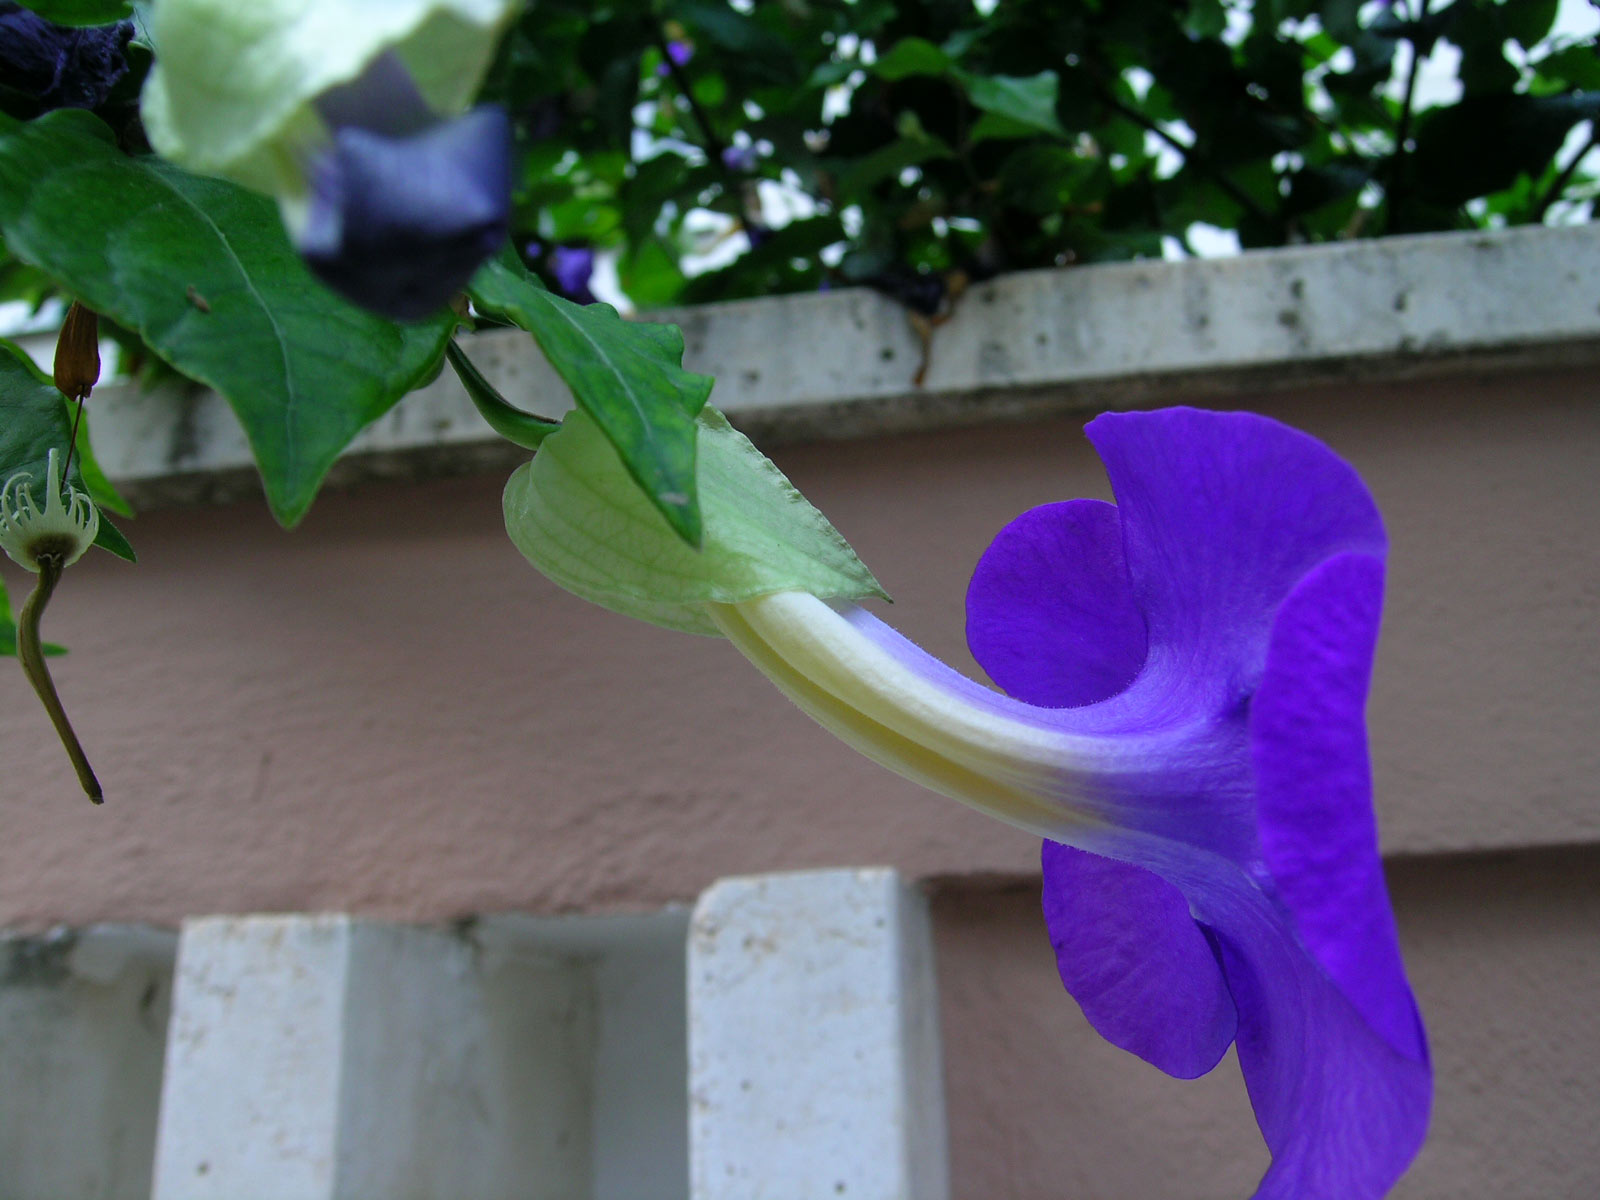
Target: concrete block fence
780, 1041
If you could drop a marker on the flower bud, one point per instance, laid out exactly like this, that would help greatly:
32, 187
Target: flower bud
77, 367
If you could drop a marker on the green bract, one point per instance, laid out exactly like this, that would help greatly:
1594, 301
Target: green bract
234, 84
578, 517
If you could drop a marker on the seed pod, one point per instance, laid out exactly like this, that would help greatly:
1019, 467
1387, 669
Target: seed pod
78, 353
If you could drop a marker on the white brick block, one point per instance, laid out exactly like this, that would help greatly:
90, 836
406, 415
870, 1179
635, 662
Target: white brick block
325, 1058
813, 1041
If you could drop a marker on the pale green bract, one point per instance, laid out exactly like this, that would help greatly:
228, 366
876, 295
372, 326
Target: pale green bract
577, 516
234, 81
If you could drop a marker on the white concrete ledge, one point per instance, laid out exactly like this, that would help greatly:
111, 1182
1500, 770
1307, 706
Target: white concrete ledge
814, 1063
1120, 335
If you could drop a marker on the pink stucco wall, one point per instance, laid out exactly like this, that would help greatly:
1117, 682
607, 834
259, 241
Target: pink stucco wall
388, 712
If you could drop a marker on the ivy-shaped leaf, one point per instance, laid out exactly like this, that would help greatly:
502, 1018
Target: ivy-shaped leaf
627, 375
203, 272
36, 419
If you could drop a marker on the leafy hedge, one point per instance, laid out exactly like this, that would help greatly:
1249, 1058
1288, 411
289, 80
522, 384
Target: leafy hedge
1040, 133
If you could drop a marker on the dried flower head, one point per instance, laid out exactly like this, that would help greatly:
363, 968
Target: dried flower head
62, 528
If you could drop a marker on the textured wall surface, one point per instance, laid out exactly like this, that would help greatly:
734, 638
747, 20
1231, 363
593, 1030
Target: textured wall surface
387, 712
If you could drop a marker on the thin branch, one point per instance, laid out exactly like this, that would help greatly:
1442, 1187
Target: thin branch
1194, 158
1402, 131
72, 442
1559, 183
714, 144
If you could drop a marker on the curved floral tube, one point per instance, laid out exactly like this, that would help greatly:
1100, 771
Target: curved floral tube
1185, 678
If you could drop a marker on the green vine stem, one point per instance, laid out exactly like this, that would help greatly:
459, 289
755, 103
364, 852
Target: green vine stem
31, 655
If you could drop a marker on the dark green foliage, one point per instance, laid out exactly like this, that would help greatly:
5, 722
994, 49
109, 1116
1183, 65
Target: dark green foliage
1045, 133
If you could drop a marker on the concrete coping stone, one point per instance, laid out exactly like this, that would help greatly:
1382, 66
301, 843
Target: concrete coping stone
841, 364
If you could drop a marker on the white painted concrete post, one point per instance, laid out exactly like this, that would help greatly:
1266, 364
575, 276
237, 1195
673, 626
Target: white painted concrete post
83, 1021
814, 1041
325, 1058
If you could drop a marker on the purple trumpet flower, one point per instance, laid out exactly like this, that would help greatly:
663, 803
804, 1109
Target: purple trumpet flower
404, 206
61, 67
1186, 675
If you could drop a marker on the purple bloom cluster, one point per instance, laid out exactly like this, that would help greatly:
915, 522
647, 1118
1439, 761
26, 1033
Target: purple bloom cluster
1220, 621
59, 66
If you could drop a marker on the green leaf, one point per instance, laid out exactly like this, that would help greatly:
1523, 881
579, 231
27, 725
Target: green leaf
35, 419
626, 375
522, 428
1577, 66
573, 514
8, 631
1483, 143
202, 271
992, 127
858, 175
1529, 21
1206, 19
81, 12
751, 47
912, 56
1030, 101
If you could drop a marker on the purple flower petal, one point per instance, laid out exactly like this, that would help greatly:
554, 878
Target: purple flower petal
1318, 835
1222, 514
399, 224
1342, 1111
1143, 971
1050, 610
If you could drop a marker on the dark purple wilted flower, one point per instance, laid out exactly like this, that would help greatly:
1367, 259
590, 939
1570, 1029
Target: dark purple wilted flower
61, 67
404, 206
1186, 675
573, 267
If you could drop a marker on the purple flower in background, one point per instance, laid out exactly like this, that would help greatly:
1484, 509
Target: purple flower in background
740, 158
573, 267
1186, 675
404, 206
61, 67
679, 51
